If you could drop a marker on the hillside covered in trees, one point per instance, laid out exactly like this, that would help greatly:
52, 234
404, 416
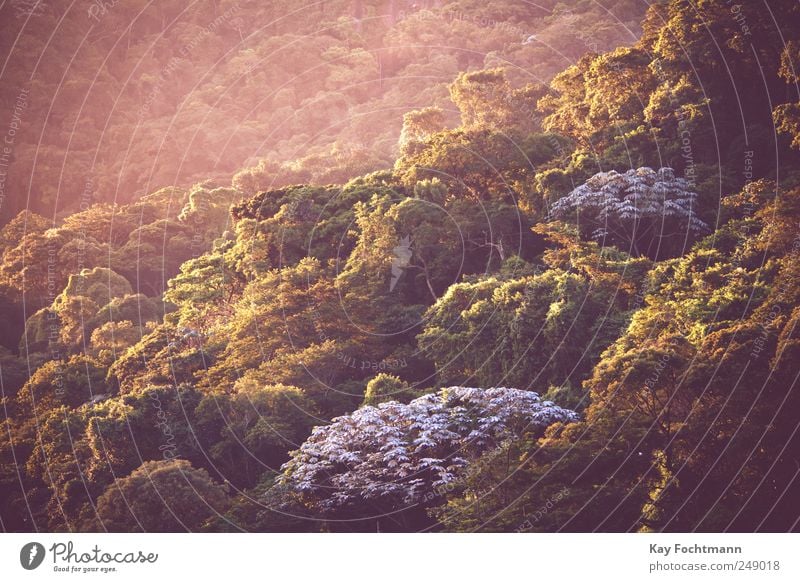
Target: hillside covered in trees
392, 266
118, 99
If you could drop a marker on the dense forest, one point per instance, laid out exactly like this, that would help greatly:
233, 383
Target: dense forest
400, 266
122, 98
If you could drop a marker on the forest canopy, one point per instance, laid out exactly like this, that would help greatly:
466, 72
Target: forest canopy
393, 266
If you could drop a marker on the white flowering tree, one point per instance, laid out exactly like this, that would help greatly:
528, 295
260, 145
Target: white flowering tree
643, 211
396, 454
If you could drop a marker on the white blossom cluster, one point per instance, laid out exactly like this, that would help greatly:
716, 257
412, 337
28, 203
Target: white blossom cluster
399, 452
643, 193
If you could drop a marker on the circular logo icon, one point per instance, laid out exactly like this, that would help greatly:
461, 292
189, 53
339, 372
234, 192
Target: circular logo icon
31, 555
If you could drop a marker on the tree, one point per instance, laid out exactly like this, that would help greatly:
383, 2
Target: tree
161, 496
167, 355
205, 290
618, 86
328, 372
99, 284
22, 224
13, 372
154, 253
289, 308
787, 115
56, 383
138, 309
55, 468
566, 107
420, 124
478, 164
530, 329
386, 388
580, 477
429, 243
599, 98
396, 454
644, 212
250, 433
487, 100
207, 210
71, 318
694, 377
113, 338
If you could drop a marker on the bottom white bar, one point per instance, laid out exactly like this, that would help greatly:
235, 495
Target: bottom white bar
401, 557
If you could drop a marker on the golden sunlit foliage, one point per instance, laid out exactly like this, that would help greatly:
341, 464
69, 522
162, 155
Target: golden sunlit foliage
346, 258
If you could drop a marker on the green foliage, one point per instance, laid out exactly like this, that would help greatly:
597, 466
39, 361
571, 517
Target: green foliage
487, 100
348, 76
479, 164
387, 388
680, 406
13, 372
26, 222
183, 343
533, 331
419, 125
56, 383
250, 433
161, 496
